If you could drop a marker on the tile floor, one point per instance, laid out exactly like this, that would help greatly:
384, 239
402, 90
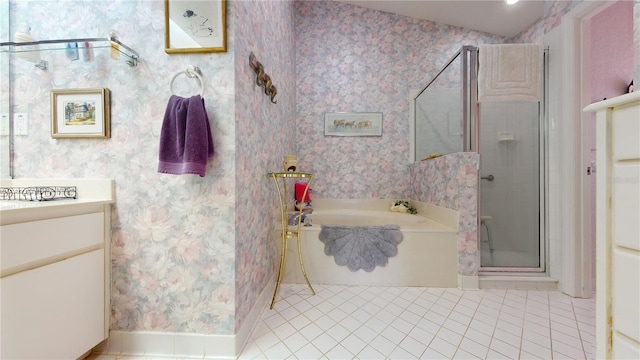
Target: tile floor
363, 322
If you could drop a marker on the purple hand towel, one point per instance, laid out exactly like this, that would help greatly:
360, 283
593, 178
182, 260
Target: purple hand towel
185, 139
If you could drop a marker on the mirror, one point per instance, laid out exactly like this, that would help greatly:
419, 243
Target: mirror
5, 136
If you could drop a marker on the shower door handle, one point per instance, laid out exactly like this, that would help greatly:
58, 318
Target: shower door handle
488, 177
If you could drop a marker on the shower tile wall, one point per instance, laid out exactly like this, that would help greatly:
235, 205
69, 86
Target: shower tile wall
511, 199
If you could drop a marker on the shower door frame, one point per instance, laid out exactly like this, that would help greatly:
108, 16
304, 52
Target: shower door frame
472, 115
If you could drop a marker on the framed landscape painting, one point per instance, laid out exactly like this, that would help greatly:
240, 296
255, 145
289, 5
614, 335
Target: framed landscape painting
80, 113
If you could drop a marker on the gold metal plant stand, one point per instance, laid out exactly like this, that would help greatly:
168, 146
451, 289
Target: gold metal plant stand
284, 219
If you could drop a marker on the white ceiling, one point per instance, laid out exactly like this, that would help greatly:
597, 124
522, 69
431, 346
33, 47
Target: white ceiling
493, 16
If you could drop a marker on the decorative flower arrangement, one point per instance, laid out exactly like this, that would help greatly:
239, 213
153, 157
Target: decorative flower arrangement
403, 206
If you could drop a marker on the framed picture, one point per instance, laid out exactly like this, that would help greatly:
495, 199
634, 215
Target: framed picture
195, 26
353, 124
80, 113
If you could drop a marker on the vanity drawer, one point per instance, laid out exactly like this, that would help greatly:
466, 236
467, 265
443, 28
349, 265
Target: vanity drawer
625, 129
32, 244
55, 311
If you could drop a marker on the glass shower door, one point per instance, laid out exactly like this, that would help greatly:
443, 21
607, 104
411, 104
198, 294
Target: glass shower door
510, 223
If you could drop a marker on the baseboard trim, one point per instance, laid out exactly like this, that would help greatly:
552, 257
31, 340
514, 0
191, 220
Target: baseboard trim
254, 315
466, 282
183, 345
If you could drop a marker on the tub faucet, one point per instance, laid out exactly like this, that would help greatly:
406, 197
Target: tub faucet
297, 217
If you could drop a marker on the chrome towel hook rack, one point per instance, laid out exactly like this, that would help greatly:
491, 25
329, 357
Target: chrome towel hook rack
192, 72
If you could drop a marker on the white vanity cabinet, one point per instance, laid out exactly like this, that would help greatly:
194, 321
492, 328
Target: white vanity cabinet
54, 279
618, 227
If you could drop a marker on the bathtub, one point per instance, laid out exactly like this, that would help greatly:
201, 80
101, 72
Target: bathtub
427, 256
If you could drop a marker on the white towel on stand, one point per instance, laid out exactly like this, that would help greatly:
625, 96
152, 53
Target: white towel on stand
510, 72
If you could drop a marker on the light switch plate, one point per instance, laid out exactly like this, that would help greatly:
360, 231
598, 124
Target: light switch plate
20, 124
4, 124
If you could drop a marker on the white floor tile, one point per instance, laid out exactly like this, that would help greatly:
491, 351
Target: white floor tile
402, 325
507, 337
473, 348
366, 333
428, 326
481, 326
478, 336
443, 347
311, 331
401, 354
421, 335
455, 326
412, 346
353, 343
383, 345
492, 354
504, 348
339, 352
542, 351
267, 340
324, 343
278, 351
463, 355
295, 342
366, 322
393, 334
338, 332
449, 336
432, 354
369, 353
308, 352
283, 331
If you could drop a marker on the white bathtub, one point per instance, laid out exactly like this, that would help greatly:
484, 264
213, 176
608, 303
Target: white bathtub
427, 256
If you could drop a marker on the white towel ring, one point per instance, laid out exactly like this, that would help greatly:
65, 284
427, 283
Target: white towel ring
192, 72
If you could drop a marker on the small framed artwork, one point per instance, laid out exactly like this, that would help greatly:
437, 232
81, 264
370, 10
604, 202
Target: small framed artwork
80, 113
195, 26
353, 124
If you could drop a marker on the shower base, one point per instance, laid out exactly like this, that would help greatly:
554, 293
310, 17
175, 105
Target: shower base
517, 278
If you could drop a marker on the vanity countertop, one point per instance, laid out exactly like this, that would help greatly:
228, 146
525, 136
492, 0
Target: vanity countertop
93, 194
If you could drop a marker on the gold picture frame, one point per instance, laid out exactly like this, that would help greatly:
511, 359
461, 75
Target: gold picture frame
195, 26
80, 113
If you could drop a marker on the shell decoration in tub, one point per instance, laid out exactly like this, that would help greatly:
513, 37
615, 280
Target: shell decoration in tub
403, 206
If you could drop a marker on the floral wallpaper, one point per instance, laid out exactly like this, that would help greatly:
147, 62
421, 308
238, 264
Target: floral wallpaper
191, 254
553, 12
451, 181
265, 132
173, 237
352, 59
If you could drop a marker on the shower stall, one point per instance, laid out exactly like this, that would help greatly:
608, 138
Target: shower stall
510, 138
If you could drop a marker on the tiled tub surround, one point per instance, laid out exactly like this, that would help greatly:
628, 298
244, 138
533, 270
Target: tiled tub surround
427, 255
